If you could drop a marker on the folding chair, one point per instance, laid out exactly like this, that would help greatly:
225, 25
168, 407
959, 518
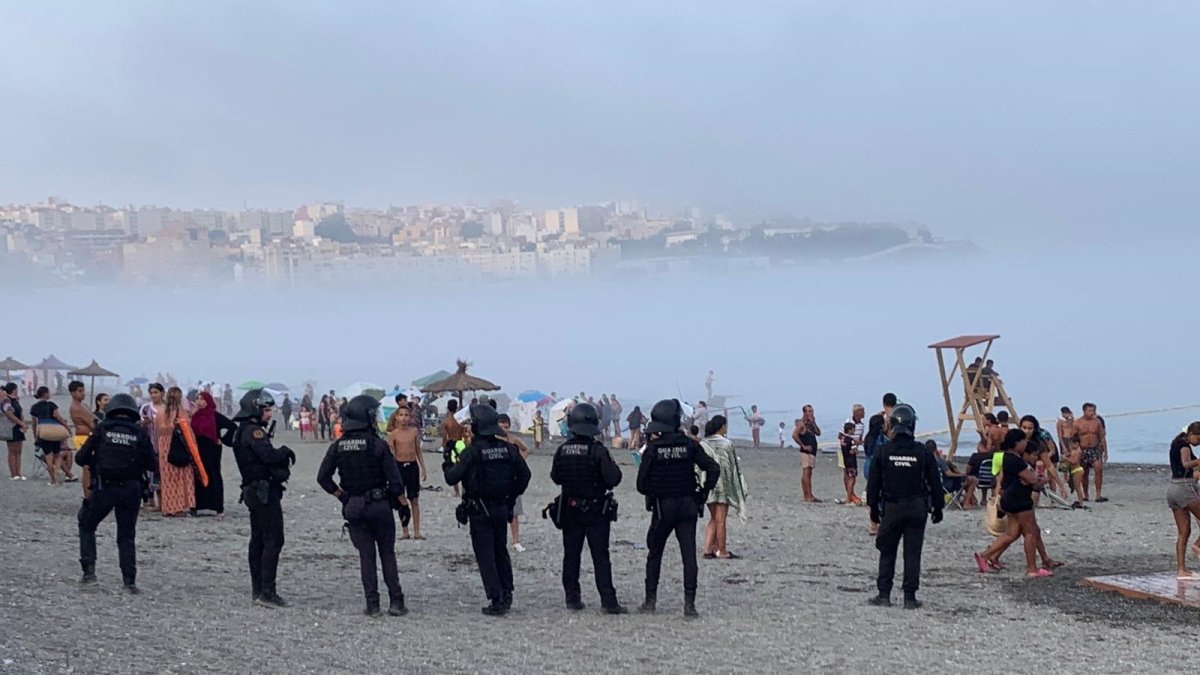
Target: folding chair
1056, 498
956, 492
38, 472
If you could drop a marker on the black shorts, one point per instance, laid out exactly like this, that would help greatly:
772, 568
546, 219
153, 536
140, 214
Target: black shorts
410, 474
49, 447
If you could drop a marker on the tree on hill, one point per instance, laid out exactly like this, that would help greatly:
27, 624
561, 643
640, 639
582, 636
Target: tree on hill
335, 228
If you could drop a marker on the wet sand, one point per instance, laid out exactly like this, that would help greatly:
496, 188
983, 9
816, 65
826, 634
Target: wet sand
796, 602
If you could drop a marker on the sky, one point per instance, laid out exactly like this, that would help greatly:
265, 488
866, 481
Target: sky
988, 120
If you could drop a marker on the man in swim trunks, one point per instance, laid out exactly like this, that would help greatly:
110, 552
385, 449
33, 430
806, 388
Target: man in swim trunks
1065, 428
405, 442
1094, 445
84, 422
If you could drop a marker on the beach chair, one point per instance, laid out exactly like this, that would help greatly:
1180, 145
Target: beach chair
38, 472
1056, 498
956, 492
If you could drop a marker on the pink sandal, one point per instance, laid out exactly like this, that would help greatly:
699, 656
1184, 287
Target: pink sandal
1042, 572
981, 563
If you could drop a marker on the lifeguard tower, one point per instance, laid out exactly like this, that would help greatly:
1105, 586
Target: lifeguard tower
982, 392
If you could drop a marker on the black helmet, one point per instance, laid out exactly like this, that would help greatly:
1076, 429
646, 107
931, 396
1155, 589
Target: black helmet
485, 421
665, 417
583, 420
254, 403
122, 405
360, 413
904, 420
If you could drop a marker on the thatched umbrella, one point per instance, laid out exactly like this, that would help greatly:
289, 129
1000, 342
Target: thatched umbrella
50, 363
460, 382
93, 370
10, 364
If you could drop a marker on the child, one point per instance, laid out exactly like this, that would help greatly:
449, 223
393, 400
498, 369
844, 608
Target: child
783, 435
306, 423
539, 429
849, 461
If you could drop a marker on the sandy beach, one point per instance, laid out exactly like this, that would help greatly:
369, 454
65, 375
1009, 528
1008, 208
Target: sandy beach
796, 602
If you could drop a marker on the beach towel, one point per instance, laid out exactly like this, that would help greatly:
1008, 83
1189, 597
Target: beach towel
731, 486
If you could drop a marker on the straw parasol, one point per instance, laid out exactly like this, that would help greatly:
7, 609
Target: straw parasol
10, 364
93, 370
460, 382
50, 363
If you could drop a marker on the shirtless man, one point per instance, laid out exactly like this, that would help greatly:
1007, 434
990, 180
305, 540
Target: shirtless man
452, 433
505, 423
993, 432
1093, 441
405, 442
1065, 427
84, 422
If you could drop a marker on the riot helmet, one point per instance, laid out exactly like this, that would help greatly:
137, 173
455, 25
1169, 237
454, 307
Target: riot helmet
360, 413
254, 403
904, 420
584, 420
122, 405
485, 421
665, 417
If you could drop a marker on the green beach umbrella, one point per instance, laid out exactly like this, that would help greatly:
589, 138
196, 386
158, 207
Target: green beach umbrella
251, 384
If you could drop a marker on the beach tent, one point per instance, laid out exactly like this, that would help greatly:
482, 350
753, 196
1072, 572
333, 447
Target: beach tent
357, 388
459, 383
522, 413
558, 413
93, 370
430, 379
10, 364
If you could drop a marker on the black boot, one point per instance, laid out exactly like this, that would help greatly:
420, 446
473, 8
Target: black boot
689, 606
372, 608
131, 587
89, 575
397, 608
255, 591
497, 608
615, 608
881, 600
506, 599
651, 602
271, 600
575, 604
911, 601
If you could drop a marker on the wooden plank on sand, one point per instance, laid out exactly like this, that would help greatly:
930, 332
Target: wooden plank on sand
1163, 587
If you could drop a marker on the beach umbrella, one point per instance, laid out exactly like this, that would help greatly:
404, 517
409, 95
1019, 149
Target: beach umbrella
10, 364
430, 378
93, 370
50, 363
251, 384
534, 396
277, 387
358, 388
460, 382
137, 382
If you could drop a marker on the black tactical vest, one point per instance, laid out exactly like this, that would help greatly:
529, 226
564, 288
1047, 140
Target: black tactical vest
358, 463
673, 469
494, 475
578, 470
117, 453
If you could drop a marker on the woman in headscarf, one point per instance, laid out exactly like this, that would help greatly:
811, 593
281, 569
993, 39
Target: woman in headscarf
730, 491
207, 424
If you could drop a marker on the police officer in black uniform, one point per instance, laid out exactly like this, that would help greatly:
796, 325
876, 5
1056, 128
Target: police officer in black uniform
905, 486
119, 454
587, 473
667, 477
371, 485
264, 469
493, 474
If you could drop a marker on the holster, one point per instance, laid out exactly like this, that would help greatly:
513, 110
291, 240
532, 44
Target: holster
610, 506
260, 490
553, 511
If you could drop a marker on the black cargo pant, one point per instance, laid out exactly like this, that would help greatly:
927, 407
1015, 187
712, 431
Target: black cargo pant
489, 539
266, 538
592, 526
125, 498
901, 519
372, 527
676, 515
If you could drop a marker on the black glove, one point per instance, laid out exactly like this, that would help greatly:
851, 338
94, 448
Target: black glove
936, 517
290, 454
875, 515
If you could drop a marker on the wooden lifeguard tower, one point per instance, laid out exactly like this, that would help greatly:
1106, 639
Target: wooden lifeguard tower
982, 392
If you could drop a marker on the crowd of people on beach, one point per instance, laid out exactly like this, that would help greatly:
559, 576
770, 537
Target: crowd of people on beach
1010, 470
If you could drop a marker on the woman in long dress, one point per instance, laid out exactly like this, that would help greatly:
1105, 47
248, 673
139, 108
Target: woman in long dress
177, 485
207, 424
